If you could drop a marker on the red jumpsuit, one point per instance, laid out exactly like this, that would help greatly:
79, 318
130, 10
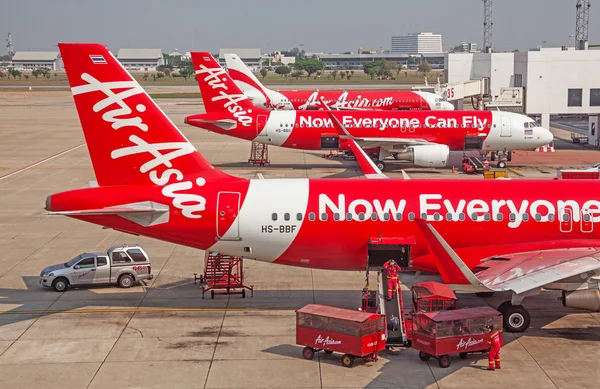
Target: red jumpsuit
392, 277
495, 343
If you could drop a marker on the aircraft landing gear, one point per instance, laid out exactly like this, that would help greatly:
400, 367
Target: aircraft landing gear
515, 317
380, 165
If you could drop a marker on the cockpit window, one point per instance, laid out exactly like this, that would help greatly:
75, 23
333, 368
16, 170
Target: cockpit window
526, 125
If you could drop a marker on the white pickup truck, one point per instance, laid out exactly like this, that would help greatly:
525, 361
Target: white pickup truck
122, 265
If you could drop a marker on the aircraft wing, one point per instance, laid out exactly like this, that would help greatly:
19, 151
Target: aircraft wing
389, 143
366, 164
519, 272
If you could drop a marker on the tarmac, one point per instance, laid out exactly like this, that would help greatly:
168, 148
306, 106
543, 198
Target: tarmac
165, 335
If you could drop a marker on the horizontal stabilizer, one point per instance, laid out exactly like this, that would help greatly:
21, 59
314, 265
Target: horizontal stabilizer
145, 213
225, 124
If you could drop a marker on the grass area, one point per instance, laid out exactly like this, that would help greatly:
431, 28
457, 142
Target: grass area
408, 77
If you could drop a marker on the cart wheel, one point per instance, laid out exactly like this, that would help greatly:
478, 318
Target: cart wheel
308, 353
243, 293
424, 356
212, 294
463, 355
328, 352
444, 361
501, 164
348, 360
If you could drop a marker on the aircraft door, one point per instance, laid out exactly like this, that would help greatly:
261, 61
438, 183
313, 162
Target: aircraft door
587, 220
566, 219
505, 129
425, 104
228, 206
261, 124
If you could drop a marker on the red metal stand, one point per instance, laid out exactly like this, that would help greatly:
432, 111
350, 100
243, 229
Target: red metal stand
224, 274
259, 154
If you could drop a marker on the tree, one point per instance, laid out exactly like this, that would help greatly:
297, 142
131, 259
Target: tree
26, 76
2, 74
265, 62
166, 69
310, 66
15, 73
263, 73
145, 76
283, 70
372, 73
36, 73
351, 74
159, 76
186, 72
424, 67
297, 73
334, 74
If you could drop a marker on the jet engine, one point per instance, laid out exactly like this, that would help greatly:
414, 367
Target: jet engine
588, 299
426, 155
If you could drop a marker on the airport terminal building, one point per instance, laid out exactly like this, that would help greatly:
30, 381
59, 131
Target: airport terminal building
357, 61
31, 60
251, 57
141, 59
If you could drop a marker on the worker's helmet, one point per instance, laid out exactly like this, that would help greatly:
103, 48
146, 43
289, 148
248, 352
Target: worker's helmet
392, 260
489, 328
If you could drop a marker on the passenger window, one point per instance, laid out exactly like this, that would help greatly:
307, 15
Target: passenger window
323, 216
86, 263
474, 216
449, 216
512, 217
274, 216
551, 217
398, 216
499, 217
411, 216
311, 216
525, 217
538, 217
136, 255
374, 216
486, 217
336, 216
424, 216
461, 217
565, 217
299, 216
361, 216
286, 216
436, 216
386, 217
100, 261
120, 257
586, 217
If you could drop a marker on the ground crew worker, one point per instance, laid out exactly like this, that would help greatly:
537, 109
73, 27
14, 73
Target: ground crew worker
392, 269
486, 165
495, 343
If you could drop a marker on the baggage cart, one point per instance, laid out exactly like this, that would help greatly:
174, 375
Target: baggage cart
355, 334
457, 331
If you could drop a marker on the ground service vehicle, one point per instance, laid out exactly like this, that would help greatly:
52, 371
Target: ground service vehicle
122, 265
458, 331
355, 334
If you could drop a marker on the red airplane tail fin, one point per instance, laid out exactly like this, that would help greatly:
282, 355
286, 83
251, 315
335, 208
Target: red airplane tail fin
219, 91
129, 138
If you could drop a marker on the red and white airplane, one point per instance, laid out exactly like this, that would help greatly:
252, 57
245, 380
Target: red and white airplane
306, 99
424, 138
489, 235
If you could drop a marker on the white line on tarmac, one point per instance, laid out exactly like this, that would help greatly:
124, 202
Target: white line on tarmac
42, 161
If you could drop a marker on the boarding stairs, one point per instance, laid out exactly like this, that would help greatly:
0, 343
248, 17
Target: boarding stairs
224, 274
396, 336
259, 154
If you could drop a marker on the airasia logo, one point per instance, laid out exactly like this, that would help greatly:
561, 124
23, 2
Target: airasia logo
468, 343
230, 101
426, 343
170, 179
326, 341
343, 102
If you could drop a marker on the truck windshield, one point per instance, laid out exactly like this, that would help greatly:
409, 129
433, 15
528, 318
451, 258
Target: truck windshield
72, 261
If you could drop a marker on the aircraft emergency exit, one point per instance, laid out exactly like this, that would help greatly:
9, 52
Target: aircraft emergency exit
151, 181
347, 99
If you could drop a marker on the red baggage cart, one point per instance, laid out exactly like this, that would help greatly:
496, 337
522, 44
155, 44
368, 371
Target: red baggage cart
432, 296
355, 334
459, 331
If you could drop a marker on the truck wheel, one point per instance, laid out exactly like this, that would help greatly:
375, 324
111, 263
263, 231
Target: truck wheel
501, 164
212, 294
125, 281
60, 284
243, 293
484, 294
308, 353
445, 361
348, 360
424, 356
463, 355
328, 352
515, 318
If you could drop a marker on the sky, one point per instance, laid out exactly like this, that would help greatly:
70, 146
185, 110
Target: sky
314, 25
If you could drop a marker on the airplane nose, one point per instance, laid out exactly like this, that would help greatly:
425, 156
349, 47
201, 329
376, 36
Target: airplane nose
446, 106
545, 136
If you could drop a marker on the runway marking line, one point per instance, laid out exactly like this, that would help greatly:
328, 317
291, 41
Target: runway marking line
139, 310
41, 161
